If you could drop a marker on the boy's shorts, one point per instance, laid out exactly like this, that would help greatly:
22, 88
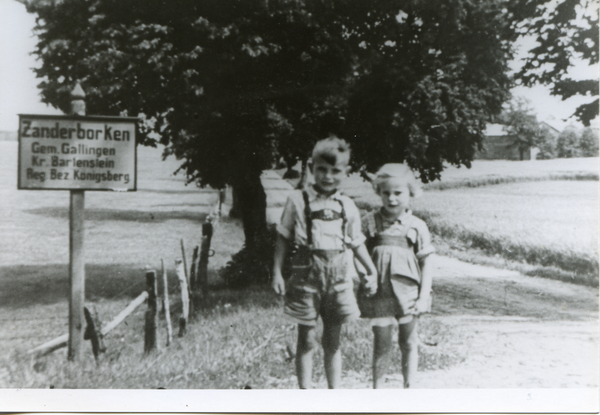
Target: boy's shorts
326, 290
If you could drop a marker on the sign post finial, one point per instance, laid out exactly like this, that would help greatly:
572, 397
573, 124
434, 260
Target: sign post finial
78, 100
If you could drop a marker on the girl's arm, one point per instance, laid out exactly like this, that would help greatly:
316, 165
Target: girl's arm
361, 253
281, 250
422, 303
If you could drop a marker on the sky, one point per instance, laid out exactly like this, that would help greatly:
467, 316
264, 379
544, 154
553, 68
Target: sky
19, 93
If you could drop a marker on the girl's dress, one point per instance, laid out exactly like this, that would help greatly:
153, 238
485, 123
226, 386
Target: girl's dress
396, 247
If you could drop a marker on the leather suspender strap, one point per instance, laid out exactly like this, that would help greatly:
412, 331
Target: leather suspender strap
307, 218
344, 219
378, 222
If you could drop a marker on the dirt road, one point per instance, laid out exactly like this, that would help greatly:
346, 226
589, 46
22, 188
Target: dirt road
493, 328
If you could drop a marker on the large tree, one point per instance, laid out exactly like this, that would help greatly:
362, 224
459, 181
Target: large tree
208, 78
226, 85
565, 32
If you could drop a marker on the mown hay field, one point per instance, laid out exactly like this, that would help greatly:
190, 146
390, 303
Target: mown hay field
541, 213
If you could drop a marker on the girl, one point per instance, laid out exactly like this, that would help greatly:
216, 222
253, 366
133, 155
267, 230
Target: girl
400, 246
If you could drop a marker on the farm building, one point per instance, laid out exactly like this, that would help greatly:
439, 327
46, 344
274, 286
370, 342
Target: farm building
499, 145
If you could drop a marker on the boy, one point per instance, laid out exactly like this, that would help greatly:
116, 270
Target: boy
323, 224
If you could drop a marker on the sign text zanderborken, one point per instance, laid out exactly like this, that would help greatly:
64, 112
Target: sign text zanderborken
73, 152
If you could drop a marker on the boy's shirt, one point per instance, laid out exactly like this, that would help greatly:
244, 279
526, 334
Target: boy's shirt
326, 234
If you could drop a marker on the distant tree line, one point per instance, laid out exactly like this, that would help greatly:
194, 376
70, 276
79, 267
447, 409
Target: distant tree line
572, 142
520, 122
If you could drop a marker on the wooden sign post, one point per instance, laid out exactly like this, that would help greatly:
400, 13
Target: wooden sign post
77, 152
76, 253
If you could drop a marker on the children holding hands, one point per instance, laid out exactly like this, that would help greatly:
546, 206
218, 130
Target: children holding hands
391, 248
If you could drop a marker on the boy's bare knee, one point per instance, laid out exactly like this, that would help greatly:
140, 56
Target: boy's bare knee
307, 340
382, 348
330, 345
331, 338
410, 344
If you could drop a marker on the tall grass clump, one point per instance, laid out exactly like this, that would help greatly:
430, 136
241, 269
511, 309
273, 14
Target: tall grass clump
252, 264
492, 180
582, 264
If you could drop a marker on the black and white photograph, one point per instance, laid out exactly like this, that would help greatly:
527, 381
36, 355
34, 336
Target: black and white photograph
210, 205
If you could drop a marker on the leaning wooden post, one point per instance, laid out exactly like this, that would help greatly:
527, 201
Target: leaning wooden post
193, 270
76, 252
185, 300
150, 327
166, 304
222, 198
93, 333
207, 233
187, 277
62, 341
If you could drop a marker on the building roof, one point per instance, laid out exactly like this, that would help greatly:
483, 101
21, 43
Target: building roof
495, 130
552, 127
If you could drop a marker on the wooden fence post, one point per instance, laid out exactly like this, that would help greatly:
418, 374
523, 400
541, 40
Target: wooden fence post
166, 304
150, 327
185, 299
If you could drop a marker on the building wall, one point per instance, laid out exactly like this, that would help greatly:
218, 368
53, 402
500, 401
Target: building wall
499, 147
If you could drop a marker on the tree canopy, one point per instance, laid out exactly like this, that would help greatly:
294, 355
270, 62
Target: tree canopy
228, 85
565, 31
416, 79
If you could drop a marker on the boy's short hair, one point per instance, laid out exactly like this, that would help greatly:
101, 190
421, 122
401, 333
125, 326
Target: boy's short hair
331, 150
398, 171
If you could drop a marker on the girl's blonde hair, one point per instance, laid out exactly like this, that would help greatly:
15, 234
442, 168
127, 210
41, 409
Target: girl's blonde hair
398, 171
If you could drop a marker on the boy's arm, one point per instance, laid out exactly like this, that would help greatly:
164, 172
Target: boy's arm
361, 253
281, 250
422, 303
285, 233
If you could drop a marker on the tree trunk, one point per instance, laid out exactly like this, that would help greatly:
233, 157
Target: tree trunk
290, 173
236, 210
252, 204
304, 175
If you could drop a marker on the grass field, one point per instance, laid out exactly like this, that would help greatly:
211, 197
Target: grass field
240, 338
539, 213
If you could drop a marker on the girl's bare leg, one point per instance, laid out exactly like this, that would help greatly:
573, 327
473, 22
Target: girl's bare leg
382, 345
332, 354
409, 345
304, 355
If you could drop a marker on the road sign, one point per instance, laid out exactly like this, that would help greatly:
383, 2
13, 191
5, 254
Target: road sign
71, 152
